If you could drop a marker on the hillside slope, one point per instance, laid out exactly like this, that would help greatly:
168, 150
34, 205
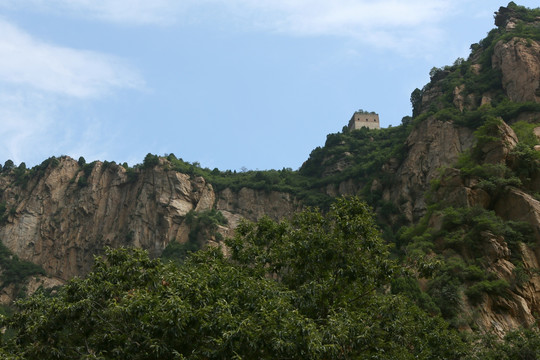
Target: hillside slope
457, 184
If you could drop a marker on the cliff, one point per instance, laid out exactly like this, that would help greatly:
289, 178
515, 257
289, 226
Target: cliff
463, 154
460, 179
438, 141
63, 214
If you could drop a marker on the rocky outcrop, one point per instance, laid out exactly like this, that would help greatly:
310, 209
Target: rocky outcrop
28, 287
66, 215
436, 144
517, 205
454, 190
462, 101
433, 148
432, 145
519, 62
497, 150
516, 307
500, 314
253, 204
60, 224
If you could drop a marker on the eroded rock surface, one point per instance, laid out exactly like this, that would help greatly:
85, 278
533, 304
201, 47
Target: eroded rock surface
519, 62
60, 222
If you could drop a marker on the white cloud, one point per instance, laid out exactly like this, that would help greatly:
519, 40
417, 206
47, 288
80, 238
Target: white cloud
27, 61
389, 24
307, 17
342, 17
409, 28
25, 120
39, 82
123, 11
33, 128
117, 11
403, 26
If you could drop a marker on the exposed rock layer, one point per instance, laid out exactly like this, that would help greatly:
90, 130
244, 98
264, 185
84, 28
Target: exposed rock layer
61, 225
519, 62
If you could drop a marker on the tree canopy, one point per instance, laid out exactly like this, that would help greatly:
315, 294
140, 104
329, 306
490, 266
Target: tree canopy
315, 287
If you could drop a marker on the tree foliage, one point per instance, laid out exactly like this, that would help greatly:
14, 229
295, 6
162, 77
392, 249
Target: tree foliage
150, 161
311, 288
328, 260
15, 270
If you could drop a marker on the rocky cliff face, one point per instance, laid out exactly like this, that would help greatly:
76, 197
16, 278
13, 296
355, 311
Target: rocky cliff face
520, 304
252, 204
433, 145
436, 144
433, 148
519, 62
61, 225
60, 220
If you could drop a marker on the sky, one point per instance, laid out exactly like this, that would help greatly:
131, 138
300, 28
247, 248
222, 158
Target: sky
232, 84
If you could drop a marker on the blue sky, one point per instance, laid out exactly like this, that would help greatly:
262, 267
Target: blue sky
232, 84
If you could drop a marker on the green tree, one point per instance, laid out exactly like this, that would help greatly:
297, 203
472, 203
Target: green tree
8, 165
150, 161
311, 288
416, 101
337, 268
133, 307
328, 261
518, 344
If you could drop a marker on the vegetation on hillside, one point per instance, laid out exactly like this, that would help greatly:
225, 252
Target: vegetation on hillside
315, 287
477, 77
458, 243
203, 227
14, 270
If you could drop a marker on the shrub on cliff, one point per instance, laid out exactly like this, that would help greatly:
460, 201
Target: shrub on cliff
150, 161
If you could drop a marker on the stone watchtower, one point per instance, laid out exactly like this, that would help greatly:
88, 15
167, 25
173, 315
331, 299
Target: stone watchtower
362, 119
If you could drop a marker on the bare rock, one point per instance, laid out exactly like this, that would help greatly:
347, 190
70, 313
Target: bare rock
519, 62
432, 145
462, 101
501, 314
459, 100
517, 205
496, 151
536, 131
253, 204
60, 222
494, 247
43, 282
476, 68
349, 187
376, 186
